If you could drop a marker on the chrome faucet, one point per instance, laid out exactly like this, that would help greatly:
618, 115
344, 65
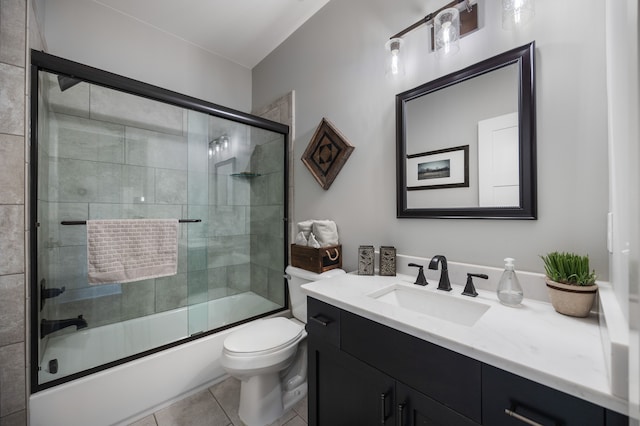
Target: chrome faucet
444, 283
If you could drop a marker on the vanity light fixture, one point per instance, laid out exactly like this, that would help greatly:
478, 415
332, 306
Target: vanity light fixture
448, 24
217, 145
395, 66
446, 30
516, 13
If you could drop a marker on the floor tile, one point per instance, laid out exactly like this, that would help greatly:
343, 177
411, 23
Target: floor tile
227, 393
200, 409
15, 419
301, 409
147, 421
296, 421
217, 406
286, 417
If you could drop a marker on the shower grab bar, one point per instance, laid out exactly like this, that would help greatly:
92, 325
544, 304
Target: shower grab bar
84, 222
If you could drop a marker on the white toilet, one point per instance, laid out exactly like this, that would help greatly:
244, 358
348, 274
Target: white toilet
269, 356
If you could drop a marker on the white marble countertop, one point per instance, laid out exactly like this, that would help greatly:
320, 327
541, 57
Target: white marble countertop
531, 341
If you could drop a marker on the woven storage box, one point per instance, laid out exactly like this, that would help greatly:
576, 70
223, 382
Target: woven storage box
316, 260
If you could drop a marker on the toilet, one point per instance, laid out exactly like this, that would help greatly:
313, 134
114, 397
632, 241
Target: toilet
269, 356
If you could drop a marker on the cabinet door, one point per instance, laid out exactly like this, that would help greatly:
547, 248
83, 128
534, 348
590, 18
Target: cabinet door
443, 375
414, 408
344, 391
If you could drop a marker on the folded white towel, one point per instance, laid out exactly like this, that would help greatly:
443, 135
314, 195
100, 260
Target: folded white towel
305, 227
301, 240
131, 249
326, 232
313, 242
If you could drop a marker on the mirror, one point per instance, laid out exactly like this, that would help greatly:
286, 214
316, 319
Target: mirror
465, 143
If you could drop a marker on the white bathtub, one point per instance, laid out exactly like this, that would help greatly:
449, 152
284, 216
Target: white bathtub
129, 391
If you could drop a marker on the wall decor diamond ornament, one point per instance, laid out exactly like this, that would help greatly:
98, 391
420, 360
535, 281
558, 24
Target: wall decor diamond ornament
326, 153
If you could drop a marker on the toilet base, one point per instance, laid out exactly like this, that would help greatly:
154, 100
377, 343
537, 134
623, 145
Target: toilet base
291, 398
268, 388
260, 400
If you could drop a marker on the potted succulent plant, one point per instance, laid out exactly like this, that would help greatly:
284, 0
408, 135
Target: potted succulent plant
571, 284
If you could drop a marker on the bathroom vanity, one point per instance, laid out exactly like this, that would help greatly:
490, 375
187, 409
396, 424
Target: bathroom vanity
374, 362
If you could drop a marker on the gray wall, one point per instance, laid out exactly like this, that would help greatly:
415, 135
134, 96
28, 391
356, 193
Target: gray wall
87, 32
335, 62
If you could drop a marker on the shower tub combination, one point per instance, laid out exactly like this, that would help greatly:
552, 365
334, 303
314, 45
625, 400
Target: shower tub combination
132, 390
104, 344
106, 147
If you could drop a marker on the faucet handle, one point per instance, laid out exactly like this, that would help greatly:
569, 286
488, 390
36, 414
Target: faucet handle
420, 280
469, 288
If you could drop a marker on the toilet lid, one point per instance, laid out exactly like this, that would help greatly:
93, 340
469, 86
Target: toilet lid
263, 335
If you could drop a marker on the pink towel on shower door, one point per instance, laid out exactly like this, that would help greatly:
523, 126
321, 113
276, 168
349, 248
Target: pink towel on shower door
125, 250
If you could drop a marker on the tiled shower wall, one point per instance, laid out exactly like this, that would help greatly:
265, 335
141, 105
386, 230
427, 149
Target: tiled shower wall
282, 111
13, 37
108, 155
114, 155
266, 218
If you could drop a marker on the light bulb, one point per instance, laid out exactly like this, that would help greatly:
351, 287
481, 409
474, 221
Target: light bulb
394, 62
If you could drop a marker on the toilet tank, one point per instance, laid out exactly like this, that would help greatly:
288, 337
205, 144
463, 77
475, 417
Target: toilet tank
296, 277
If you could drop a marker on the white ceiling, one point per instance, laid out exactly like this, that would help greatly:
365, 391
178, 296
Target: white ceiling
243, 31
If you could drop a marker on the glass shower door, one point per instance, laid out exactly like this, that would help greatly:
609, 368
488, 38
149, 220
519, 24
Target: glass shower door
106, 154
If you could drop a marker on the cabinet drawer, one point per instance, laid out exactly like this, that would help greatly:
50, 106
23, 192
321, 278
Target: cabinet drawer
447, 377
323, 321
505, 391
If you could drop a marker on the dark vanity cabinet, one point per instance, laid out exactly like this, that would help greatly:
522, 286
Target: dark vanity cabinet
365, 373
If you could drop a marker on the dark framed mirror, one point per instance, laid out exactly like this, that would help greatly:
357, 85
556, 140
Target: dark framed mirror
466, 142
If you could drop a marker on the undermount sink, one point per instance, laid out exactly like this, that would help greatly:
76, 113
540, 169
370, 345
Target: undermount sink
438, 305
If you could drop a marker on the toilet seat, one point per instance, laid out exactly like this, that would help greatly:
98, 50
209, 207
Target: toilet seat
263, 337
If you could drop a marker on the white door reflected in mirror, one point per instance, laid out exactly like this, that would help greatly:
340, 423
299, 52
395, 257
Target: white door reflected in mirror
498, 161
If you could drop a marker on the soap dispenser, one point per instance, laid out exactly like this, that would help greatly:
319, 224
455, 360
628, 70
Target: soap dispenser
509, 289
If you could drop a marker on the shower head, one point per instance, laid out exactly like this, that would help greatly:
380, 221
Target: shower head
66, 82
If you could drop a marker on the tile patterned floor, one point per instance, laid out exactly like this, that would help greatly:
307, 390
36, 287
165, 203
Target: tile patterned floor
216, 406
